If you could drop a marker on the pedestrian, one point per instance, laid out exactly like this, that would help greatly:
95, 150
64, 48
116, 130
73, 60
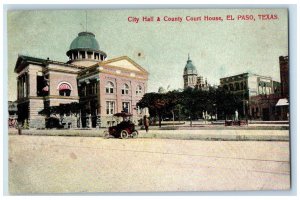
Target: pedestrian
146, 123
236, 115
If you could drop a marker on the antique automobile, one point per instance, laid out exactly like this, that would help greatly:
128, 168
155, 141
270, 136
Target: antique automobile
124, 129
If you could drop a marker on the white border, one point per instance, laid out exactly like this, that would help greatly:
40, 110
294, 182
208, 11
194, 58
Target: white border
155, 4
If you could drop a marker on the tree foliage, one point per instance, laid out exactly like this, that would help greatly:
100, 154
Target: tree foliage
192, 103
62, 109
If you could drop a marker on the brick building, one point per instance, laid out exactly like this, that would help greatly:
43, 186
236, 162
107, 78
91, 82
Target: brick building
254, 90
44, 83
284, 75
273, 106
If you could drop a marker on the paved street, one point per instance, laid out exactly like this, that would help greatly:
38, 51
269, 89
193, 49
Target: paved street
50, 164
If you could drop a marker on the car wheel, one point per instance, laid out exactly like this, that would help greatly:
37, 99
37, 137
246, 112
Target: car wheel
124, 134
106, 134
134, 134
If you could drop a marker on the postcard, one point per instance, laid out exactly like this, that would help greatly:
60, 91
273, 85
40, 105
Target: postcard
148, 100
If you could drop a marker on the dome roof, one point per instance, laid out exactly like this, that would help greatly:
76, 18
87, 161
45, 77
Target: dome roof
85, 40
161, 90
189, 67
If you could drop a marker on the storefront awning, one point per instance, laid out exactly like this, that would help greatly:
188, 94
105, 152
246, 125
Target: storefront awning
46, 88
282, 102
64, 86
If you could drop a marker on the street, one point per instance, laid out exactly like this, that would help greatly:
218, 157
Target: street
58, 164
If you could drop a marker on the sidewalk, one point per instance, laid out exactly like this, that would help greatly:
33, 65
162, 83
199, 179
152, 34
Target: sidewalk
222, 134
203, 134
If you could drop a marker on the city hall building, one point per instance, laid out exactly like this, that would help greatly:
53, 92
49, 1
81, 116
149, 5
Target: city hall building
102, 87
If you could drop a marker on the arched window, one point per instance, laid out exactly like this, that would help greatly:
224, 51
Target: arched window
242, 85
231, 87
125, 89
237, 86
109, 88
139, 90
64, 89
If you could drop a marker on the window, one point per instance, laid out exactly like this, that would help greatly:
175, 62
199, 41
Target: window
64, 89
125, 89
96, 86
125, 107
96, 56
237, 86
89, 54
82, 53
109, 88
75, 55
139, 90
225, 87
110, 107
93, 88
245, 85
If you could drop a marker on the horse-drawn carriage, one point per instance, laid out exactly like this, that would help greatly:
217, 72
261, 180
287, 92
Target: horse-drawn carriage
124, 129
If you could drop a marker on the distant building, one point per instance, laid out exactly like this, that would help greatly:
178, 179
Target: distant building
284, 75
161, 90
273, 106
191, 78
248, 84
283, 103
257, 93
263, 107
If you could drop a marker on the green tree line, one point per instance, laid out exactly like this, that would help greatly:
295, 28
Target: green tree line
191, 104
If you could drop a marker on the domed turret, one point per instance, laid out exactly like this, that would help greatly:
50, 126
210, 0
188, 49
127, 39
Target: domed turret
85, 40
189, 74
85, 51
161, 90
189, 68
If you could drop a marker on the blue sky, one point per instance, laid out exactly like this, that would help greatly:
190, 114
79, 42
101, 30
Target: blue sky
217, 49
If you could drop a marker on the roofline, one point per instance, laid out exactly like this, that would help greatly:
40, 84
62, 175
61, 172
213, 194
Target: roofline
40, 61
106, 63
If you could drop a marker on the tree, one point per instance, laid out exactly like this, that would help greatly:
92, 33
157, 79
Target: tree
227, 102
159, 103
194, 103
68, 109
61, 110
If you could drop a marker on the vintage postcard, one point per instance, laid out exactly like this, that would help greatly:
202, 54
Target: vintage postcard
148, 100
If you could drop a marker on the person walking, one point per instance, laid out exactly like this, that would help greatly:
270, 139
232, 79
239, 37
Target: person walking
146, 123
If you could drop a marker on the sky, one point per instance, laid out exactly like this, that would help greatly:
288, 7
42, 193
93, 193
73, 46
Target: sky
217, 48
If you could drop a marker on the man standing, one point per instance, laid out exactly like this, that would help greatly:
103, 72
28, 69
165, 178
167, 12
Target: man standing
236, 115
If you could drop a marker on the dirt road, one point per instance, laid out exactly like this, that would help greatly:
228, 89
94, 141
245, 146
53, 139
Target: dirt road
56, 164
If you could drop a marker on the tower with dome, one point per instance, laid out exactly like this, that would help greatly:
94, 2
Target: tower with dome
191, 78
101, 86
